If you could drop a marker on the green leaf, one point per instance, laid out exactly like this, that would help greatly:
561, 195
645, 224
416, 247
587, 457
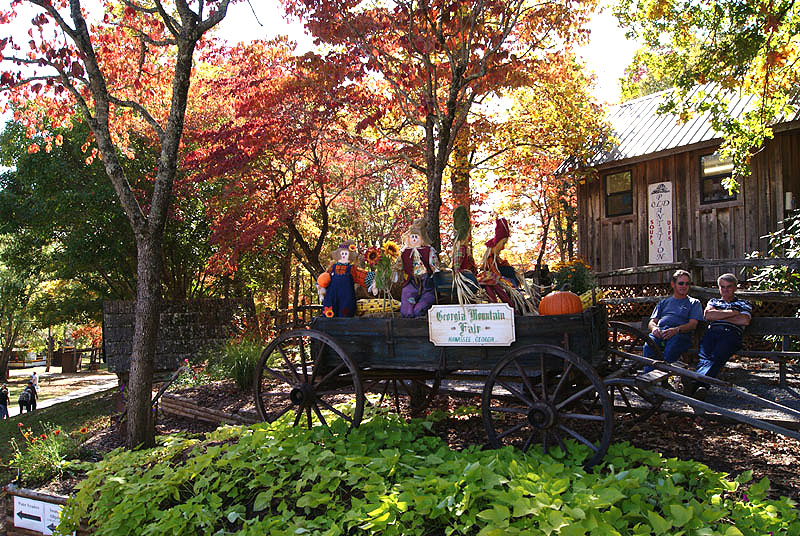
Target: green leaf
680, 515
262, 500
733, 531
659, 524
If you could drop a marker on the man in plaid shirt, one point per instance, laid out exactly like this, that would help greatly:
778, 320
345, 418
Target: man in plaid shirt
727, 316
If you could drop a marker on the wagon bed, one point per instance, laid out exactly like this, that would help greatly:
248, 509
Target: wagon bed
403, 343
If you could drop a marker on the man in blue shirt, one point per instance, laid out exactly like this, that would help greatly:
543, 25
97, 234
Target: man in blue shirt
727, 316
674, 319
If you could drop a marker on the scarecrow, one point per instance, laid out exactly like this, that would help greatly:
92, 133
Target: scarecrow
337, 284
419, 262
464, 269
497, 275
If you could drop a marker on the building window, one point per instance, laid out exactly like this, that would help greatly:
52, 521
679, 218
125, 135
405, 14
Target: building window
619, 194
713, 169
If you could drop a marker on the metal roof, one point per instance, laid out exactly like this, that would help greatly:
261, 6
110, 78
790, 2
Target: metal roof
637, 129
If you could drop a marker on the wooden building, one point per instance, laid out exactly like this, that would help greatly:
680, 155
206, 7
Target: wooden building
659, 190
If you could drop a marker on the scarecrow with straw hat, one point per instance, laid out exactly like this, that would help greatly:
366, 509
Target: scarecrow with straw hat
337, 284
419, 262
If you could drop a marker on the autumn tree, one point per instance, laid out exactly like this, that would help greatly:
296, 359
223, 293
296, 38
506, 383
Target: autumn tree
282, 154
439, 59
749, 47
547, 125
132, 66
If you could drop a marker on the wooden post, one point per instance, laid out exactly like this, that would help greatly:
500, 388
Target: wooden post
50, 344
296, 299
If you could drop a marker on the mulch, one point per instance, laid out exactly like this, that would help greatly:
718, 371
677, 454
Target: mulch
725, 447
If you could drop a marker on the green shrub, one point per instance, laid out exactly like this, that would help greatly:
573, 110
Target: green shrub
41, 457
575, 276
389, 477
236, 360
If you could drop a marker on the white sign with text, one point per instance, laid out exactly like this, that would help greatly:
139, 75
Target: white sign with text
39, 516
659, 216
486, 324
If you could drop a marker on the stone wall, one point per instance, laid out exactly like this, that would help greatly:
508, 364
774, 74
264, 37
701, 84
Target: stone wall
185, 329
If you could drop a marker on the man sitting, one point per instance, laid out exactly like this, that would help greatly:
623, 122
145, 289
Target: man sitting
673, 320
727, 316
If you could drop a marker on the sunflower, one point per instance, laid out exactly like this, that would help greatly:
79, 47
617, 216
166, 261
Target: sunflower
328, 311
352, 247
391, 249
372, 256
84, 430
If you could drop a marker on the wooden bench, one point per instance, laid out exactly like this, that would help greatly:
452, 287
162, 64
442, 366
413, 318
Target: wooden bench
760, 326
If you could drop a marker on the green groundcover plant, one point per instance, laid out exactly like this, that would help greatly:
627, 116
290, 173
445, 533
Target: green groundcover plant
390, 477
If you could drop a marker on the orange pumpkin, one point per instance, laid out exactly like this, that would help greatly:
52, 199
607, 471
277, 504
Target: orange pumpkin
324, 279
560, 303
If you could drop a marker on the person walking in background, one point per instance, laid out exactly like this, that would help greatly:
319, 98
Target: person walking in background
4, 402
35, 381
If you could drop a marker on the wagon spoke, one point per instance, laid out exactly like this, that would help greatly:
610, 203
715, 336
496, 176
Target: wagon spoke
303, 360
289, 364
278, 375
526, 380
528, 441
501, 409
560, 441
319, 415
544, 441
516, 393
308, 415
396, 396
582, 416
624, 397
575, 397
297, 415
336, 411
332, 373
512, 430
383, 393
562, 381
543, 377
579, 437
282, 412
317, 362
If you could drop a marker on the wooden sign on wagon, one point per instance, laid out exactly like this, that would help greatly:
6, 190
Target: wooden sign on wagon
486, 324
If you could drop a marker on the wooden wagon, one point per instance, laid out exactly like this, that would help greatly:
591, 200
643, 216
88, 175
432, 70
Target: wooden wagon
558, 380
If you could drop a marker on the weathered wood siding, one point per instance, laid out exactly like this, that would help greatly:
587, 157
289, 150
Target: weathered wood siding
728, 229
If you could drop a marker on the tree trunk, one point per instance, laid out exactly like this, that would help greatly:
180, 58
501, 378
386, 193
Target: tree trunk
286, 274
461, 170
148, 302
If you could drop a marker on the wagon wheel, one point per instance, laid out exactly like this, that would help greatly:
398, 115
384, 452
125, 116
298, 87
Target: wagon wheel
420, 391
618, 368
545, 394
624, 339
305, 372
629, 397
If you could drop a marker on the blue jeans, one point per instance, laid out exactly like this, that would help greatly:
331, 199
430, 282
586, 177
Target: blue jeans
672, 348
718, 345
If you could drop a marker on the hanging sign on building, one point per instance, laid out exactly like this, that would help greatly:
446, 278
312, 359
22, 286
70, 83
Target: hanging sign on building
659, 217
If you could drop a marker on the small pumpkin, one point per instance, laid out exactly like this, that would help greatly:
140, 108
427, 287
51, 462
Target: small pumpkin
324, 279
560, 303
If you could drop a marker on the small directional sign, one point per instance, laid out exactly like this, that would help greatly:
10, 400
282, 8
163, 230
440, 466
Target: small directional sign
36, 515
28, 514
